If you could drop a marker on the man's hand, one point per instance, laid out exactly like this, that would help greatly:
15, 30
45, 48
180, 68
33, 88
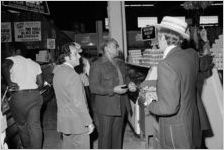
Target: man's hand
132, 87
203, 34
119, 90
150, 96
90, 128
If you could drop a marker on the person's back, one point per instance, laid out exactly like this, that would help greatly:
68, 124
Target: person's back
185, 63
176, 106
23, 77
24, 72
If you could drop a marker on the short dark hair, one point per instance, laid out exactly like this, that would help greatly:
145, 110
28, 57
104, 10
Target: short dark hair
65, 51
13, 47
106, 42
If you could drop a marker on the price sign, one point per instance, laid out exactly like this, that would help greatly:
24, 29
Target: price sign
148, 33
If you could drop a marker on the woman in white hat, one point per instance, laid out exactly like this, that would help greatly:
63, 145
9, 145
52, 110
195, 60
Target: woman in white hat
176, 88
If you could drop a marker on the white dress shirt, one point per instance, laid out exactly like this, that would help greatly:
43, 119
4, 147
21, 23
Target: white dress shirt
24, 72
167, 50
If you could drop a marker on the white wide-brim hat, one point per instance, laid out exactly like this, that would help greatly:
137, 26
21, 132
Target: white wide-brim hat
174, 24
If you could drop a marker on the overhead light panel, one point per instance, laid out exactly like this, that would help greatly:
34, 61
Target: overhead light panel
13, 11
140, 5
217, 4
213, 4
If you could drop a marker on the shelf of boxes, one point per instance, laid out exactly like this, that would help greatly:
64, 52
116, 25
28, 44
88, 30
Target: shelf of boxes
150, 57
134, 56
217, 51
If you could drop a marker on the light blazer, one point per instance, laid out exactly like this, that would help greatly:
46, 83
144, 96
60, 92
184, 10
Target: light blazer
72, 113
103, 78
176, 106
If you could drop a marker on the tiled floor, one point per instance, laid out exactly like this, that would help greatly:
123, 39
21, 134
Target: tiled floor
52, 138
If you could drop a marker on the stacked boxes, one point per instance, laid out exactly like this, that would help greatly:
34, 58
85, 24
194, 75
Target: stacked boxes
43, 56
217, 51
135, 56
151, 57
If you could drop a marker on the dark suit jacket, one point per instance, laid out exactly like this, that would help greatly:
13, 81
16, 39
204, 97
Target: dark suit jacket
103, 78
72, 114
176, 106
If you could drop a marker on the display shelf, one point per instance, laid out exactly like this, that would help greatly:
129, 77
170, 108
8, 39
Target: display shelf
138, 65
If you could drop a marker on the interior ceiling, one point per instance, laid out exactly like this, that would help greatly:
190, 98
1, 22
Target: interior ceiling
93, 10
156, 3
66, 13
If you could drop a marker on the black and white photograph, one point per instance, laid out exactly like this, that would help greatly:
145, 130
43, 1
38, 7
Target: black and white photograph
112, 74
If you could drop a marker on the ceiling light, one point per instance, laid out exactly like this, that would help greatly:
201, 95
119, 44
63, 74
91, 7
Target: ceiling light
140, 5
214, 4
217, 4
13, 11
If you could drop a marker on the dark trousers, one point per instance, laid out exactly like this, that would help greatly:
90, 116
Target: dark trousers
25, 108
110, 131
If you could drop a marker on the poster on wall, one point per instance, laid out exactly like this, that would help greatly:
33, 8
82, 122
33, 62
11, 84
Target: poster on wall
50, 43
6, 32
34, 6
27, 31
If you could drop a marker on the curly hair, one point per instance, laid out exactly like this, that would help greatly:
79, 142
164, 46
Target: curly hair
106, 42
65, 51
172, 37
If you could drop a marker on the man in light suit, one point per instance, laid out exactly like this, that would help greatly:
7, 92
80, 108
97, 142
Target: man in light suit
176, 106
73, 119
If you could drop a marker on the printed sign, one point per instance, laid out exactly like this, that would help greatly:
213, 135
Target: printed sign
34, 6
27, 31
148, 33
6, 32
50, 43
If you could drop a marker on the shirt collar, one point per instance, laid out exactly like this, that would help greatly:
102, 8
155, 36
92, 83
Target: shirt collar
167, 50
68, 65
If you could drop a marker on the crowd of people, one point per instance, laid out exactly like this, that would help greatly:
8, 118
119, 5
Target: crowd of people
95, 97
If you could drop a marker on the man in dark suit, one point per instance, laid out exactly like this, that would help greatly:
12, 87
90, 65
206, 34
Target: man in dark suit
108, 77
176, 106
73, 119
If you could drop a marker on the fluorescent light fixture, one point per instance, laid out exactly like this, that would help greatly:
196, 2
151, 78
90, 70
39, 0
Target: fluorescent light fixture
140, 5
13, 11
217, 4
214, 4
209, 20
90, 44
144, 21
